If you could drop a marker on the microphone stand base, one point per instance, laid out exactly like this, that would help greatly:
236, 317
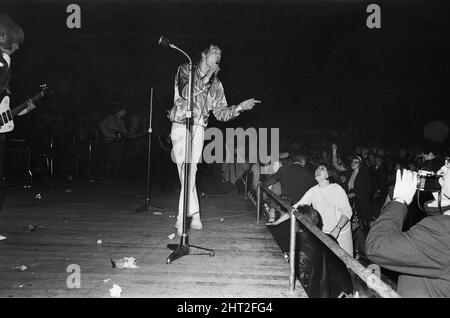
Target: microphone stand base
147, 208
183, 249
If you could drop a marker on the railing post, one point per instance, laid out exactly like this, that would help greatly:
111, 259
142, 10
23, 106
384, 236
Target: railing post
30, 174
258, 201
245, 180
90, 159
292, 252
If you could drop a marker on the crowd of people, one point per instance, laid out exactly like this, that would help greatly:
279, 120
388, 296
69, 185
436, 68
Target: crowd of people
352, 186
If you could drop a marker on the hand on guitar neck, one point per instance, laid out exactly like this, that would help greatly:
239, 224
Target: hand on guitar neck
30, 107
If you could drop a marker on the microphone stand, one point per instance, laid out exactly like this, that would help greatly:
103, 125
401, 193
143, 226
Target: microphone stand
184, 248
146, 206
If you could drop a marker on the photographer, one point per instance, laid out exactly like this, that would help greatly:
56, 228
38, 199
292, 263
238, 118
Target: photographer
422, 254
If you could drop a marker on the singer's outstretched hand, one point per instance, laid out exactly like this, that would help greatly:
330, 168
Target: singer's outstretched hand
249, 103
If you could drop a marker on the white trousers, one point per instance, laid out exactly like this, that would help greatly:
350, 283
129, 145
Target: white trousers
178, 136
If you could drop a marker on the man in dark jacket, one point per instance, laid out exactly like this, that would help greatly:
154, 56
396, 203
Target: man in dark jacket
422, 254
295, 180
360, 190
380, 179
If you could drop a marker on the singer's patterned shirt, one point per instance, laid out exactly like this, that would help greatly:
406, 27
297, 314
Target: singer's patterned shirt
206, 97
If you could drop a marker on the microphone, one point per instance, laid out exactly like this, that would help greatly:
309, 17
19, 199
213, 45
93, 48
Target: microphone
213, 77
163, 41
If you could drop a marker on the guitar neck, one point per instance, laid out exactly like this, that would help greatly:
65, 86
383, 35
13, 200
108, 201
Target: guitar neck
24, 105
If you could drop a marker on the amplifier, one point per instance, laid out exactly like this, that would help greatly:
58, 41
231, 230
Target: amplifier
17, 162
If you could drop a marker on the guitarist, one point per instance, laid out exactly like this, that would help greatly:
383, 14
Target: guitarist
114, 131
11, 36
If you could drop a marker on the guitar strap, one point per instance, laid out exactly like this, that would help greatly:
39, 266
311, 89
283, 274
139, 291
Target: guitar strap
3, 94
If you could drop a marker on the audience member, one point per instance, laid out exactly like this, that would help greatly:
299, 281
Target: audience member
330, 200
321, 273
422, 254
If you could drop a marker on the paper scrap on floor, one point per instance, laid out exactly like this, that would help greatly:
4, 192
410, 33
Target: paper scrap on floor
115, 291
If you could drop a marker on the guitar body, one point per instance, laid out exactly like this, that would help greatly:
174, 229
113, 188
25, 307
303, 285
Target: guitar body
6, 114
6, 118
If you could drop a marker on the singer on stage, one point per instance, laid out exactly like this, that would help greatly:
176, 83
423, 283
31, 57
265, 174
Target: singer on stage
208, 95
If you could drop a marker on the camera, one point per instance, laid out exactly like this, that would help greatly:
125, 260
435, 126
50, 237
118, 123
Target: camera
428, 181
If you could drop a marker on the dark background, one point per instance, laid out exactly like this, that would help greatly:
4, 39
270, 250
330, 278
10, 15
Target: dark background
303, 59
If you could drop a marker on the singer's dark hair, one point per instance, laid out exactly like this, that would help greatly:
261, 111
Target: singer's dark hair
205, 46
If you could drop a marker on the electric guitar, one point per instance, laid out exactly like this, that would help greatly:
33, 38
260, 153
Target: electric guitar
7, 115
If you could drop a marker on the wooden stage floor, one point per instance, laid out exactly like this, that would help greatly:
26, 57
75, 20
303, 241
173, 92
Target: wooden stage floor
71, 218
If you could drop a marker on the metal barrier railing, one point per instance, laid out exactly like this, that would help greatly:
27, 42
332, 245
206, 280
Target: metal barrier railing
372, 280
